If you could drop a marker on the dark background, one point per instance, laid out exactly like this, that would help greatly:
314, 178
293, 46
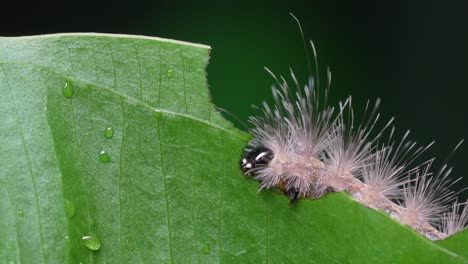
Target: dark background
414, 56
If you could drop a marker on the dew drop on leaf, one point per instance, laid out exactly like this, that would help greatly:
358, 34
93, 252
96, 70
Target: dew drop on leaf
69, 209
20, 213
91, 241
109, 133
104, 157
170, 73
67, 90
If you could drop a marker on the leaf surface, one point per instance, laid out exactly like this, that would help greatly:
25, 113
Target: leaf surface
165, 186
457, 243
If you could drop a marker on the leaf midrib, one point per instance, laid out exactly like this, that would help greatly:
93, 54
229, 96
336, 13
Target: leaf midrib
141, 103
242, 136
131, 99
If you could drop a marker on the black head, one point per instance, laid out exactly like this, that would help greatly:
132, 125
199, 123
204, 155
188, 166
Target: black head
257, 157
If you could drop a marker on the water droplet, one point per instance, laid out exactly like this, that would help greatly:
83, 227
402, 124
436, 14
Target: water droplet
70, 209
109, 132
67, 238
91, 241
170, 73
67, 90
157, 115
104, 157
206, 250
20, 213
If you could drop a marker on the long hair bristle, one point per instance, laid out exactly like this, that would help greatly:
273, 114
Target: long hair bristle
350, 145
426, 197
456, 220
385, 172
313, 149
296, 126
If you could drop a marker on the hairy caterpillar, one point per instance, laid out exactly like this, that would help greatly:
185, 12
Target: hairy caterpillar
306, 148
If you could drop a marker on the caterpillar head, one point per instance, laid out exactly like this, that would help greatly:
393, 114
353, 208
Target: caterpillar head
255, 159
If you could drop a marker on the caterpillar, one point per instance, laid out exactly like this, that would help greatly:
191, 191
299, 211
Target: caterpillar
306, 148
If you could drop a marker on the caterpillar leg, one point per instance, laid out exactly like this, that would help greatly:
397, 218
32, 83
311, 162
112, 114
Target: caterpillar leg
293, 195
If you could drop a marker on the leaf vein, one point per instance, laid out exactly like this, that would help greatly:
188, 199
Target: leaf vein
221, 180
137, 101
140, 85
193, 214
166, 197
28, 159
88, 179
18, 251
120, 178
183, 80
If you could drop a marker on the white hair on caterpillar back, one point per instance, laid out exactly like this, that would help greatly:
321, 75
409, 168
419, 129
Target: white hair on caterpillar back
456, 219
305, 148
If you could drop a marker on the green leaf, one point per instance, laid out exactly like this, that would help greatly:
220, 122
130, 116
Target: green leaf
111, 152
457, 243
